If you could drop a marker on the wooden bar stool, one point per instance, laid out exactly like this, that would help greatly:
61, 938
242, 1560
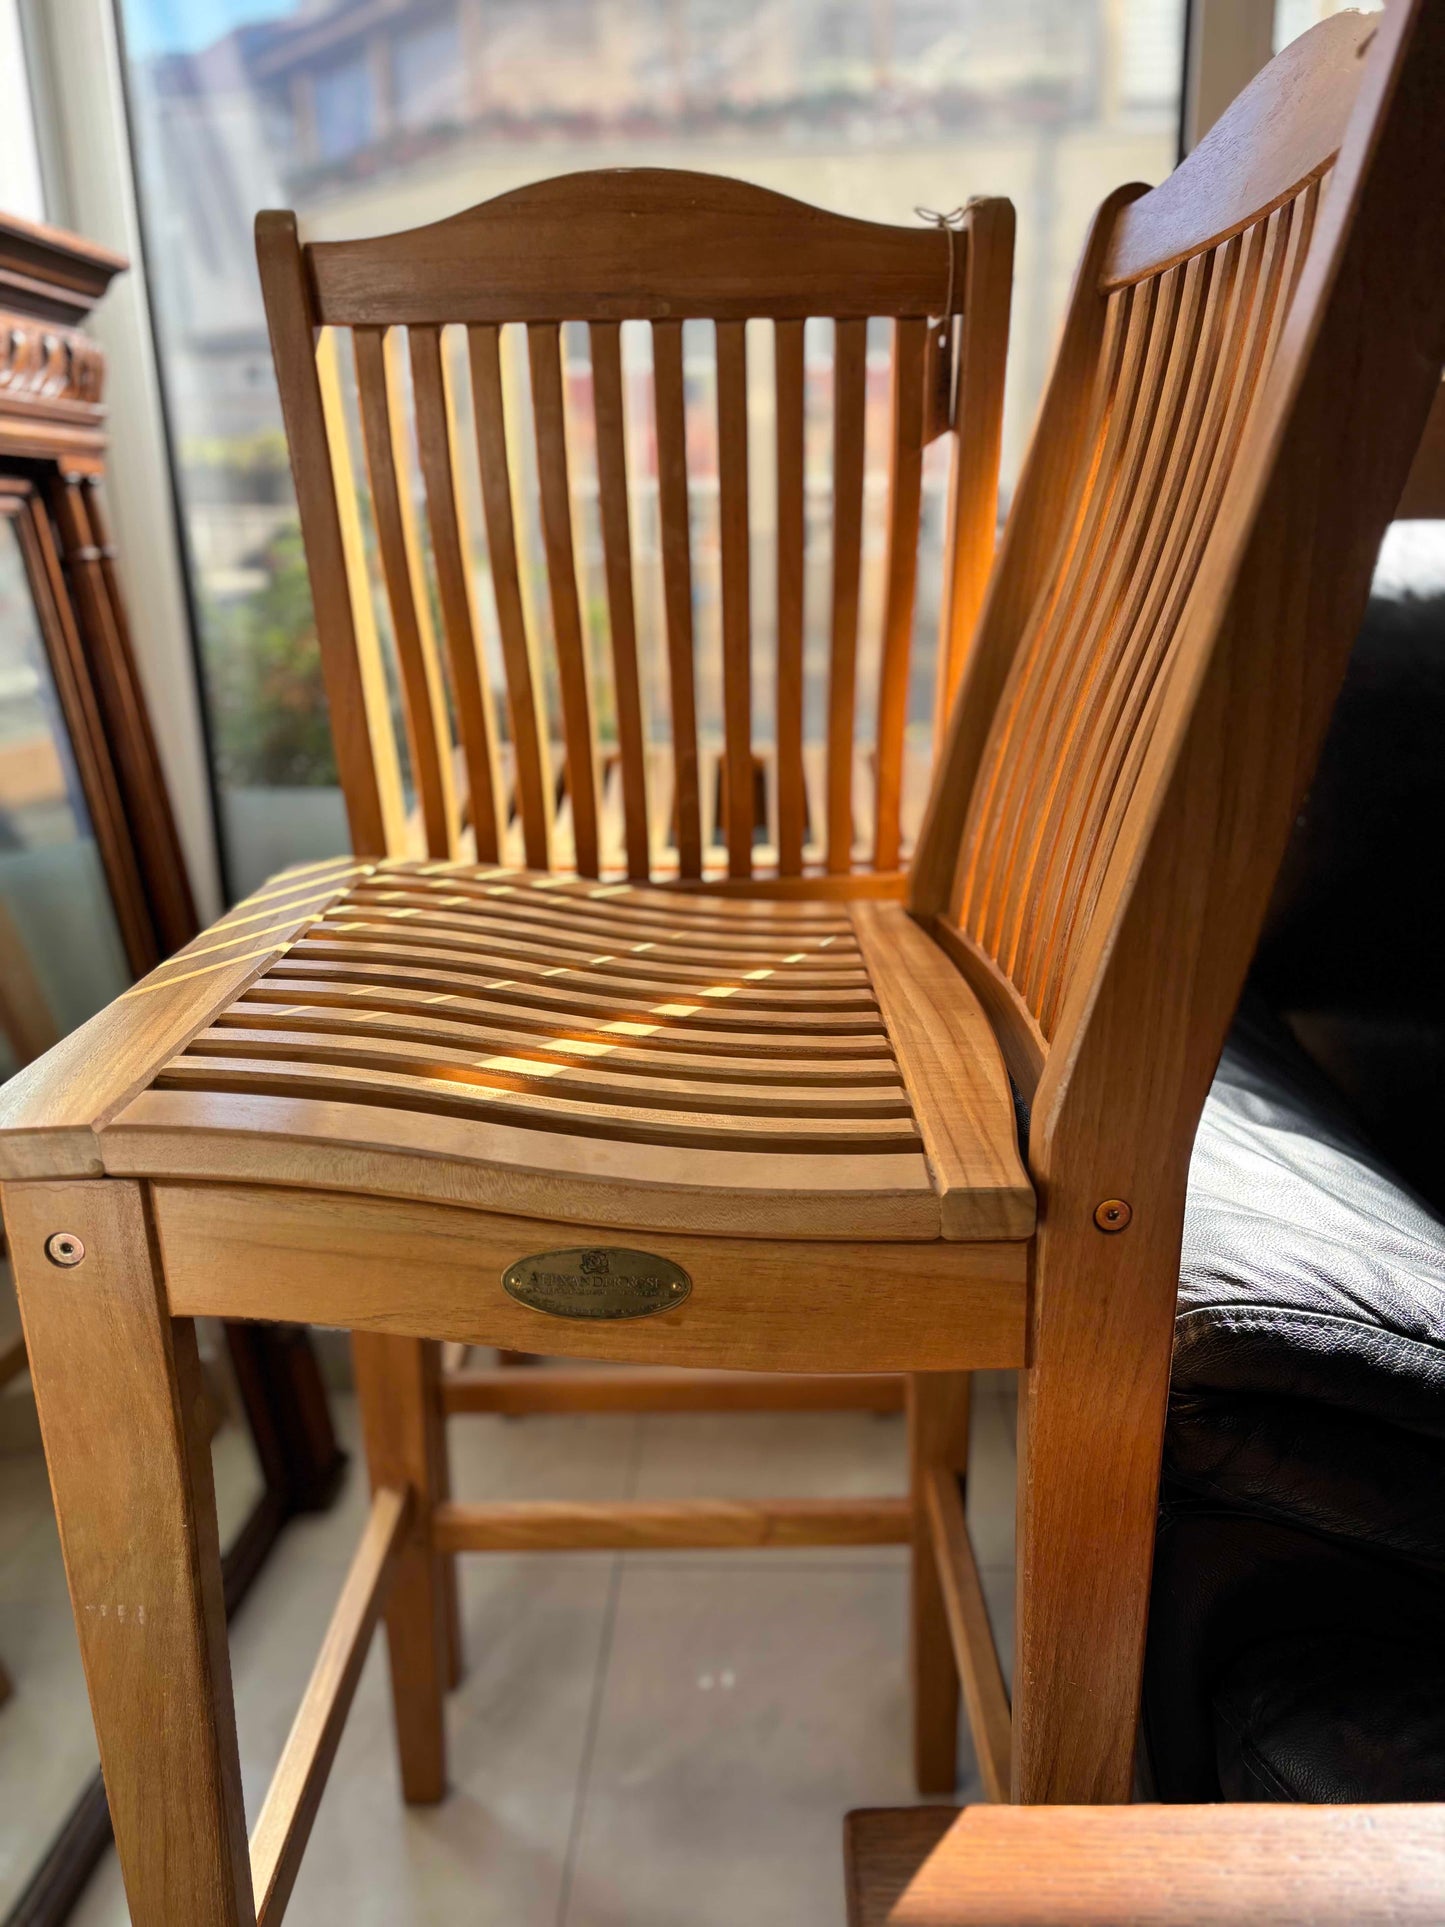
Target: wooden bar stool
433, 1099
414, 343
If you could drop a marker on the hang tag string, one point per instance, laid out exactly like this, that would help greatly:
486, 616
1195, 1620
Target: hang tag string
951, 224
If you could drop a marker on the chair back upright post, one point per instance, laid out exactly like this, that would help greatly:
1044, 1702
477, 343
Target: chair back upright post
374, 374
1249, 356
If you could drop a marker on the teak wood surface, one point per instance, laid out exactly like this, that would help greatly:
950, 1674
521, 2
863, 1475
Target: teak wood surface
377, 1082
1146, 1866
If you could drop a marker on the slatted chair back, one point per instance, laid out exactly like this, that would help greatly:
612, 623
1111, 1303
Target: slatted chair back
1247, 363
1113, 600
375, 343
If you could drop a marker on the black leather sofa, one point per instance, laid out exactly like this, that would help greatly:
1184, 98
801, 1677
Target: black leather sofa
1297, 1628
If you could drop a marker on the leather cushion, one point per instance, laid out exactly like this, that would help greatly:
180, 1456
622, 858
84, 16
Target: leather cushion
1309, 1366
1227, 1586
1353, 1718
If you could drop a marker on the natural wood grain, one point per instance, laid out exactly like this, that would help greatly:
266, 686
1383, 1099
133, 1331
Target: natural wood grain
972, 517
905, 499
544, 349
974, 1648
671, 421
119, 1391
529, 735
791, 536
49, 1111
355, 693
732, 435
656, 1389
849, 375
607, 399
526, 256
398, 1387
955, 1076
1281, 132
700, 1524
384, 1265
1153, 982
286, 1818
436, 449
1026, 564
428, 730
1152, 1866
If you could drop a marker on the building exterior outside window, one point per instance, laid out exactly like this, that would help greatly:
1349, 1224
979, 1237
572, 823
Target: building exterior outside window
372, 115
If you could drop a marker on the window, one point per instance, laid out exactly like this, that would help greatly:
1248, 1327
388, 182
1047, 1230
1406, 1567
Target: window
343, 109
400, 117
426, 74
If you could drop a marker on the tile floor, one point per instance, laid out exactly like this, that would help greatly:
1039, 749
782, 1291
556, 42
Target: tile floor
645, 1740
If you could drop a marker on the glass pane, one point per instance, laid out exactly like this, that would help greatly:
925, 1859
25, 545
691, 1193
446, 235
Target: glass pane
61, 957
61, 960
368, 119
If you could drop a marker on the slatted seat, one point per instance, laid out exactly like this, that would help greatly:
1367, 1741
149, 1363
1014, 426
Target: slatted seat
517, 1029
328, 1108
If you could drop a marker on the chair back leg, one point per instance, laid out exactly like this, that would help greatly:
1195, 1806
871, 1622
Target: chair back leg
938, 1407
398, 1383
1091, 1436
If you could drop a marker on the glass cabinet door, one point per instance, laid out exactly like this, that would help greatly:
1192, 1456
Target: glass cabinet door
61, 955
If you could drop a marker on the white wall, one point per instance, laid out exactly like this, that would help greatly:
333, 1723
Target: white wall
20, 189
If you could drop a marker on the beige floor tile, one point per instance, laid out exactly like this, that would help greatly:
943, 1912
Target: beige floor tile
745, 1710
494, 1852
669, 1739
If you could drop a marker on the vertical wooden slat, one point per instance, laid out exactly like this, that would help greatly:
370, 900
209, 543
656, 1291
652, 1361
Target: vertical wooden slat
325, 498
1009, 769
605, 338
544, 349
1045, 509
905, 485
732, 424
529, 742
849, 375
792, 810
972, 524
677, 587
1249, 330
435, 446
1111, 551
428, 731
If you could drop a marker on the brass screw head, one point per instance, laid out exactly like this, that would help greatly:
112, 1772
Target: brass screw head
1113, 1214
63, 1248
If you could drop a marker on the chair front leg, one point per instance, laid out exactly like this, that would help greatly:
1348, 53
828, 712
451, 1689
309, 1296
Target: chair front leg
938, 1407
119, 1392
1091, 1431
398, 1383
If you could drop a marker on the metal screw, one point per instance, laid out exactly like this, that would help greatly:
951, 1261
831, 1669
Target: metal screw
64, 1248
1113, 1214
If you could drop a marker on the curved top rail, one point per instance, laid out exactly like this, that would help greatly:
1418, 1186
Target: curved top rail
633, 243
1282, 131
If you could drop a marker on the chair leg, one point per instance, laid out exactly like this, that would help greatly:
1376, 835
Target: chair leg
938, 1405
398, 1382
121, 1401
1091, 1430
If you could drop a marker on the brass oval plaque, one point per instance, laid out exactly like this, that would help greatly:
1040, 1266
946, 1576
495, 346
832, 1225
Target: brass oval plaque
597, 1281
